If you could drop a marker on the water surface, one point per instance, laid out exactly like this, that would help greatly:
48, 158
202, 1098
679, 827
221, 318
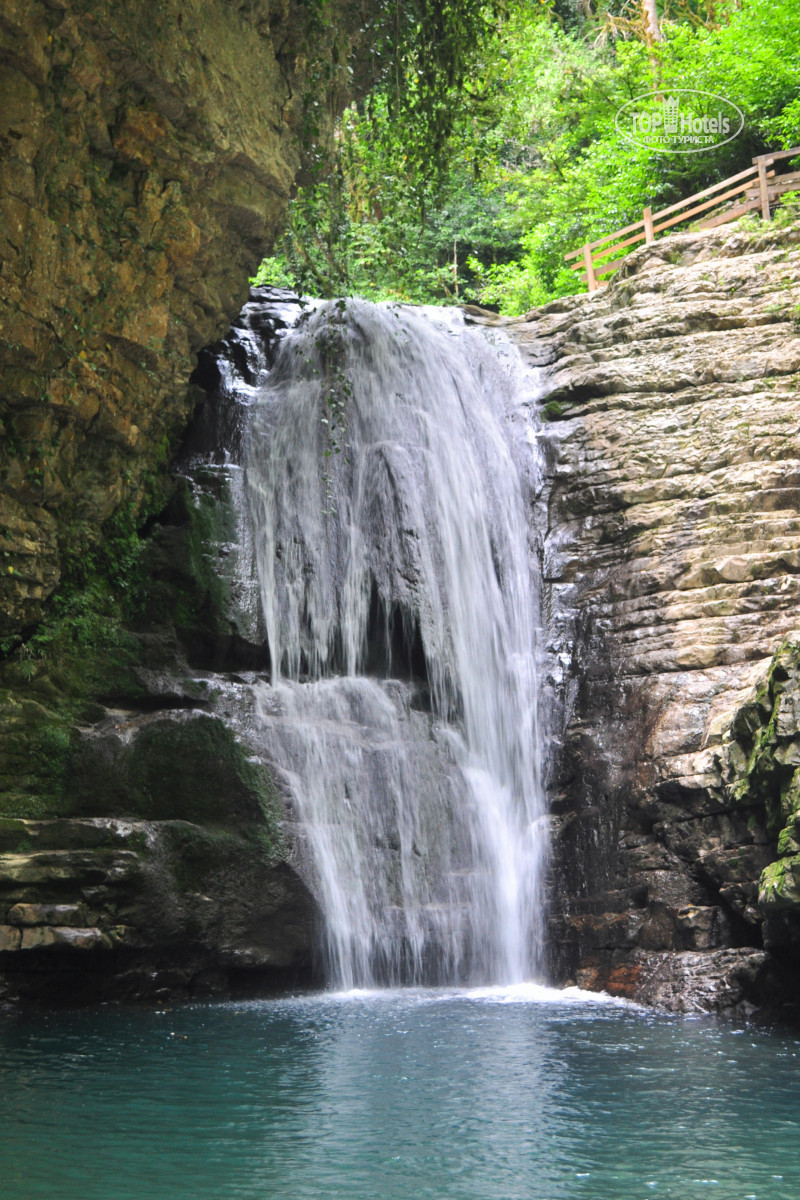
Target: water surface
523, 1094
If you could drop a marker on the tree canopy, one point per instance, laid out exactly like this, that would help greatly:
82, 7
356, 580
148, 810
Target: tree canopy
488, 147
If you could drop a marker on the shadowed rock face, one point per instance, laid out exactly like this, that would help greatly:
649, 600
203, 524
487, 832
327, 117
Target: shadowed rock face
125, 908
142, 845
147, 152
672, 567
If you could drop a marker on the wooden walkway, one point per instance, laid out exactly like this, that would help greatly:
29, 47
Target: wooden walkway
759, 187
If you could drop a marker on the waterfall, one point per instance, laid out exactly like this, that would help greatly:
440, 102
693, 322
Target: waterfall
390, 466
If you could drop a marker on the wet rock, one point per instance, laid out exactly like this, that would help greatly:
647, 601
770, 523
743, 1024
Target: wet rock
671, 561
53, 868
10, 938
149, 152
685, 981
47, 914
202, 902
704, 928
699, 982
45, 937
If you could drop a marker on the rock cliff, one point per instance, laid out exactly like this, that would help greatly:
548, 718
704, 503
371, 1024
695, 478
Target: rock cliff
672, 574
143, 845
147, 154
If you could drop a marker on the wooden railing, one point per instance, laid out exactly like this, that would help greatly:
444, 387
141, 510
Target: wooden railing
758, 186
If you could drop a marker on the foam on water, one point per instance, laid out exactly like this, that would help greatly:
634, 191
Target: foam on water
517, 993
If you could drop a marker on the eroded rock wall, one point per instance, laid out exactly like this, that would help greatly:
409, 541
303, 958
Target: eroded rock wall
143, 844
672, 575
147, 152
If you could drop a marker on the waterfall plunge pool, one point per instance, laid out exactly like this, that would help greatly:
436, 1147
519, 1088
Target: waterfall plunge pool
423, 825
486, 1094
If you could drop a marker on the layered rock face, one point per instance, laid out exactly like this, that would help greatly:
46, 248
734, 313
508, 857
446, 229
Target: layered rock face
671, 562
143, 847
147, 154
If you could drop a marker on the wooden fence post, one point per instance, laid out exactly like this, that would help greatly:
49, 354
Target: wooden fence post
764, 187
587, 259
756, 187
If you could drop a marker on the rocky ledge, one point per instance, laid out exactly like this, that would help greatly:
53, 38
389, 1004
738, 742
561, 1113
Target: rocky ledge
107, 908
672, 576
143, 844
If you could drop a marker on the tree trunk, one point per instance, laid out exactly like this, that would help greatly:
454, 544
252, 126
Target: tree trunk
652, 28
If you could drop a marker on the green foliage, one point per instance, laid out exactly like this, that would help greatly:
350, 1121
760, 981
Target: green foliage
111, 559
789, 212
427, 52
581, 180
517, 159
515, 286
81, 649
421, 55
272, 273
82, 646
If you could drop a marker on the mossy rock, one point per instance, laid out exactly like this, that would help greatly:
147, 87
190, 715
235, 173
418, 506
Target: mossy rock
553, 410
764, 730
779, 887
788, 840
181, 766
35, 757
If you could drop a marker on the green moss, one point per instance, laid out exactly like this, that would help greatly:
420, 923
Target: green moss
51, 751
85, 659
188, 768
765, 781
211, 522
769, 784
196, 855
779, 886
15, 837
35, 757
80, 653
788, 843
185, 585
82, 650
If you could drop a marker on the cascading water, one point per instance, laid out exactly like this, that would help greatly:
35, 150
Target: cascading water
390, 471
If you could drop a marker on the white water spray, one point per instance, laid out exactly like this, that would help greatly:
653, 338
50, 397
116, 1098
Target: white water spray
390, 473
